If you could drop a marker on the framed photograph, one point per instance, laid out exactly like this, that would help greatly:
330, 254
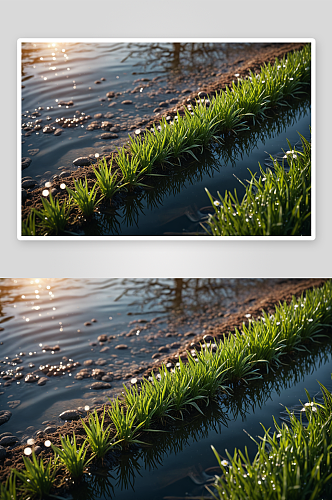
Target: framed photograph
207, 139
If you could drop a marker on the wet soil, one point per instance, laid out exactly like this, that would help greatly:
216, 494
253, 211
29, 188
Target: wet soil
267, 54
281, 290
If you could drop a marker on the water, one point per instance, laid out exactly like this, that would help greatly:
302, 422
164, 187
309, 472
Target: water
46, 312
177, 204
36, 312
67, 71
178, 464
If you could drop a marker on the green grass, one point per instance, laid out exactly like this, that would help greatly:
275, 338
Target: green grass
38, 476
232, 111
53, 217
293, 463
84, 198
71, 457
8, 491
107, 181
124, 420
29, 225
242, 356
190, 386
277, 203
130, 169
98, 438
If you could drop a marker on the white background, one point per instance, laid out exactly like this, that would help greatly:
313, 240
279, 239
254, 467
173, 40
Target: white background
171, 18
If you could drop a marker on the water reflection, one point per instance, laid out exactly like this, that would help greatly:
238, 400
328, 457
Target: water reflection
179, 294
184, 56
148, 209
180, 436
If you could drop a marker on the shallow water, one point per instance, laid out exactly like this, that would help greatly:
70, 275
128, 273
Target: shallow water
65, 71
179, 203
177, 464
36, 312
145, 74
41, 312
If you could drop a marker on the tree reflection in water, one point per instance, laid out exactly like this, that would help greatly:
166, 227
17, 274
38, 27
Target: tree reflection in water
185, 56
178, 293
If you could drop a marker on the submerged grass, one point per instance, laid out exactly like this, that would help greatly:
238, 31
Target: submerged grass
277, 203
293, 463
189, 132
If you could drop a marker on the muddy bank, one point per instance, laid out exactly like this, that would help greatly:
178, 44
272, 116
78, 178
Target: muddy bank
31, 195
281, 290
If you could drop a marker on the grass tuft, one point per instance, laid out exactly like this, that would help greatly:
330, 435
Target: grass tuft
293, 463
53, 217
71, 457
277, 203
98, 438
83, 198
107, 181
37, 478
29, 225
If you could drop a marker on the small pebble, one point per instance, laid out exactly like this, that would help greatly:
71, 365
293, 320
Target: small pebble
70, 415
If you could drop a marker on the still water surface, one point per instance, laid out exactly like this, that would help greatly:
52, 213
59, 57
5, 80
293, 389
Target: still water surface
49, 312
67, 71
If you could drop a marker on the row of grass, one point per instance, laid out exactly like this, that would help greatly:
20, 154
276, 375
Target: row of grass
227, 112
169, 394
277, 203
293, 463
